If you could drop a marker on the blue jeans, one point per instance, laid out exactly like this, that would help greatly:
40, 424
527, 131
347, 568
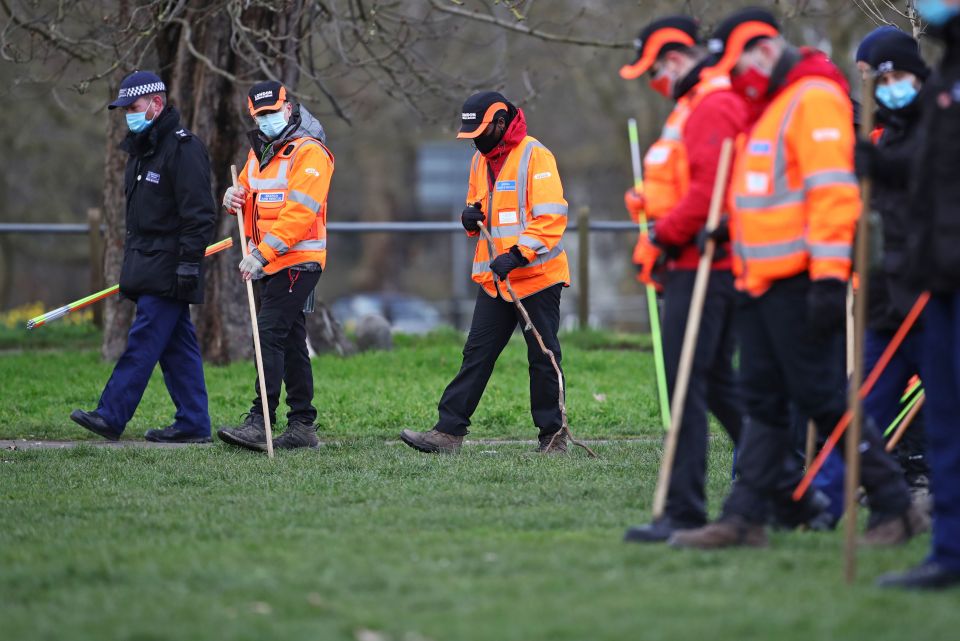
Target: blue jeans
941, 366
162, 332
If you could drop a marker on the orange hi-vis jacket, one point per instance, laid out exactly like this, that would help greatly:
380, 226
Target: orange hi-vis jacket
794, 199
526, 208
285, 213
666, 166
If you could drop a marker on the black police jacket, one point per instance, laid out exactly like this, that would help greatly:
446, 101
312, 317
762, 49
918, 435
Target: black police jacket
170, 208
891, 293
933, 241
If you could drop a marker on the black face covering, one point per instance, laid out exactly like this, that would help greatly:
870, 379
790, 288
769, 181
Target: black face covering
486, 142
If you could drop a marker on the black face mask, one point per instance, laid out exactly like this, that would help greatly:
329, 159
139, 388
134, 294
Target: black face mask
486, 143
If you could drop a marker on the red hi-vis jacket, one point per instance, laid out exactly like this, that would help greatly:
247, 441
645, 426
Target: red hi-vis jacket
794, 198
285, 213
681, 167
526, 208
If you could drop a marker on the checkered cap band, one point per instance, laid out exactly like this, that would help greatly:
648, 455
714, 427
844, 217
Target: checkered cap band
141, 90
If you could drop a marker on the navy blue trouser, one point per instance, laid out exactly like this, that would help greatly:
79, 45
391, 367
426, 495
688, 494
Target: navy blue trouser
941, 369
494, 321
162, 332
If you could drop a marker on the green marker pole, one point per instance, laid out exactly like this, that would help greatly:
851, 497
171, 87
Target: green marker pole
903, 412
651, 292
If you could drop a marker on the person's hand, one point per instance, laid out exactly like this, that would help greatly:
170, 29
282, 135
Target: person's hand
647, 256
506, 262
865, 155
472, 217
720, 236
635, 203
251, 267
188, 279
234, 198
827, 307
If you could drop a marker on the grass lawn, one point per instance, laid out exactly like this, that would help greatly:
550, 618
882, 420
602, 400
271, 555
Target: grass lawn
371, 541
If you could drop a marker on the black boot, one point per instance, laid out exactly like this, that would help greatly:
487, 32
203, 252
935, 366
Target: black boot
95, 423
657, 531
928, 576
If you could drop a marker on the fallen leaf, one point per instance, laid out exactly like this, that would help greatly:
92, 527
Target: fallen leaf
600, 398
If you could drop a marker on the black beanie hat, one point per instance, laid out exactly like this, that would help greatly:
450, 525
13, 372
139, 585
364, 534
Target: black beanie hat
898, 51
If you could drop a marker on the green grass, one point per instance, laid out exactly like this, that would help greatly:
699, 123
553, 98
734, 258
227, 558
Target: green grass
212, 542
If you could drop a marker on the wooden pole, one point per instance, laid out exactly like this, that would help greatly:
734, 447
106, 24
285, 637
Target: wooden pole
811, 445
94, 219
256, 329
861, 260
583, 265
691, 332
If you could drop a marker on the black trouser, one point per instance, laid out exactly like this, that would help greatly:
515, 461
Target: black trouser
783, 362
494, 320
283, 343
713, 385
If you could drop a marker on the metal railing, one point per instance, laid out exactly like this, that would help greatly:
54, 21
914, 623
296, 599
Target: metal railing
582, 225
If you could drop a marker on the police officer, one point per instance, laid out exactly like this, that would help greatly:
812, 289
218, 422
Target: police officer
794, 206
169, 219
283, 192
934, 264
515, 190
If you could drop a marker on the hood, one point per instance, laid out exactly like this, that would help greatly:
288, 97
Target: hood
302, 124
813, 63
516, 131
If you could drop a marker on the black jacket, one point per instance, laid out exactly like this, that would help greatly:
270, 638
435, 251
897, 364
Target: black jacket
891, 294
933, 243
170, 208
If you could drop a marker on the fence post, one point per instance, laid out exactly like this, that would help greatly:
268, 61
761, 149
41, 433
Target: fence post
583, 265
94, 219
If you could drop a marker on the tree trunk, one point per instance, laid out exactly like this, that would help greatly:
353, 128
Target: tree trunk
214, 109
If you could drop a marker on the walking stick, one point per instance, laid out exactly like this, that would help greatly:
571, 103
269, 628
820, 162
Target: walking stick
256, 329
916, 404
861, 260
868, 384
87, 301
691, 332
652, 312
529, 327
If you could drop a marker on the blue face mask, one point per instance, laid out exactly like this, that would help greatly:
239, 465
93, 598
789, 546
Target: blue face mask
138, 122
272, 124
936, 12
896, 95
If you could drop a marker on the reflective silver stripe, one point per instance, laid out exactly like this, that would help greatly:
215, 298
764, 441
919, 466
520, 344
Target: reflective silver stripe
542, 258
482, 267
473, 163
278, 245
671, 133
829, 178
522, 180
558, 209
280, 182
310, 245
304, 199
532, 243
745, 203
772, 250
502, 231
830, 250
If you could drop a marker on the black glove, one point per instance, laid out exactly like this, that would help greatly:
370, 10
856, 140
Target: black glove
720, 236
471, 217
188, 279
827, 306
865, 155
507, 262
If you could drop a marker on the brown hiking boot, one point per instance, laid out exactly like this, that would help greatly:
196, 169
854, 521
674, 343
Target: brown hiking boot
730, 532
555, 443
884, 530
432, 442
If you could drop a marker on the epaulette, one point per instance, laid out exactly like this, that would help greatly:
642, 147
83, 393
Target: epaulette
183, 135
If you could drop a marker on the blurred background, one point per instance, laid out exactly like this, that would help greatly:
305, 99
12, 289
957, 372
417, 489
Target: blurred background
386, 80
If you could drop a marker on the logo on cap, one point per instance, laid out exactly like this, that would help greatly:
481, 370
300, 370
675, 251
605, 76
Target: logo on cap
885, 66
638, 44
715, 45
468, 115
263, 94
